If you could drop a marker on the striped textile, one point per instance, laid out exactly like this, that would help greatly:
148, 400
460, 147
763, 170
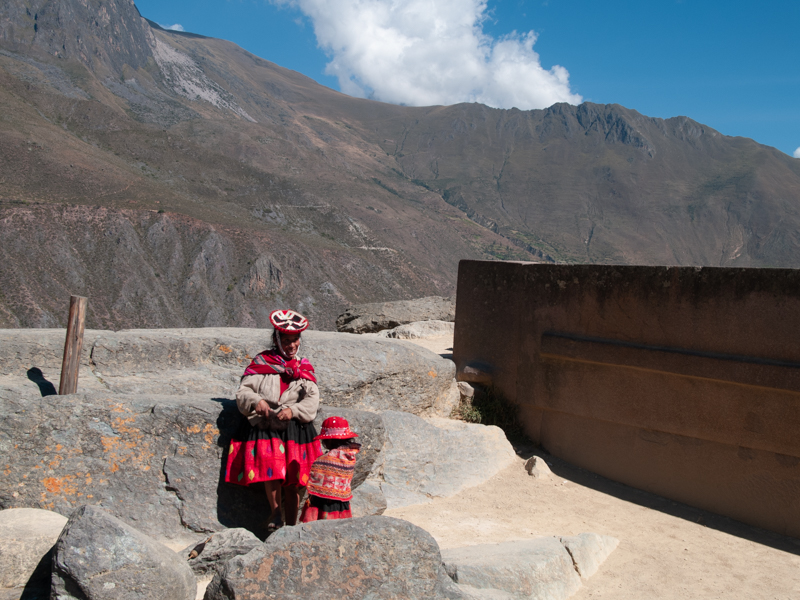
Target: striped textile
332, 474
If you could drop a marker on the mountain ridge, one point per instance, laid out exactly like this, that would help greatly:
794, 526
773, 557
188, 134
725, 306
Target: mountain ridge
148, 128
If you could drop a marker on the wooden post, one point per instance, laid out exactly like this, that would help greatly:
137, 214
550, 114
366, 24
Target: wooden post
73, 345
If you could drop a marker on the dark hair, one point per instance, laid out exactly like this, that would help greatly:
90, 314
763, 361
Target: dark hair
333, 444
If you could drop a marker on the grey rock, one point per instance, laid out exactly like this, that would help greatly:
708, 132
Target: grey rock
589, 551
419, 329
372, 557
158, 461
537, 467
427, 458
371, 318
353, 371
547, 568
26, 537
371, 435
368, 500
466, 390
472, 593
97, 556
376, 374
155, 461
210, 555
540, 568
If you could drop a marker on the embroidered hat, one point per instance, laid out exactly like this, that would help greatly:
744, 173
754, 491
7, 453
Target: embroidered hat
336, 428
288, 321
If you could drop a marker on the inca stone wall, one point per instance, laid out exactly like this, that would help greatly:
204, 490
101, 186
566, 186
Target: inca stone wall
680, 381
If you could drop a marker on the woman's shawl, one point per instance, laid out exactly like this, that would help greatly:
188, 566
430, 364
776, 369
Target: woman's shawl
272, 363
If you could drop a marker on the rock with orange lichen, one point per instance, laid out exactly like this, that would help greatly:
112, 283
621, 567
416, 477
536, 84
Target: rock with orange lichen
154, 461
372, 557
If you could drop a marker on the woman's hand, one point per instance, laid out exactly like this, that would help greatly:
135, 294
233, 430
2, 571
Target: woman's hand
262, 408
285, 414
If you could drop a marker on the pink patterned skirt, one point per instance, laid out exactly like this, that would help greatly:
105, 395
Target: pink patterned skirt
256, 455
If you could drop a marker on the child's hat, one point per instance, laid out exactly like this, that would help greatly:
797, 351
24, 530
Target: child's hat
336, 428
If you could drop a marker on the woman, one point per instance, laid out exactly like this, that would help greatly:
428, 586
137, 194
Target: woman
279, 396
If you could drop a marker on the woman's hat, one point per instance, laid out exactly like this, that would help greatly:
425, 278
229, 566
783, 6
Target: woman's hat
288, 321
336, 428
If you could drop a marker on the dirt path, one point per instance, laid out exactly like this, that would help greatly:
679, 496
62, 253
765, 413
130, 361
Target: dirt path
667, 550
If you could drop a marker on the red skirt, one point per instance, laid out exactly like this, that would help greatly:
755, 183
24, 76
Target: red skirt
321, 509
257, 455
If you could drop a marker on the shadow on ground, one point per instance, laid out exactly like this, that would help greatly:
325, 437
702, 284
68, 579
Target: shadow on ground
624, 492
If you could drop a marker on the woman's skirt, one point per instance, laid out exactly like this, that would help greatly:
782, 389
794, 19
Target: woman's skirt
320, 509
258, 454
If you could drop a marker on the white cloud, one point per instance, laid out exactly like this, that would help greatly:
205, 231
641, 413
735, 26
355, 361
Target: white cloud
424, 52
797, 153
176, 27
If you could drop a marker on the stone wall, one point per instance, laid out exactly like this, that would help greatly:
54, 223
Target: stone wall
680, 381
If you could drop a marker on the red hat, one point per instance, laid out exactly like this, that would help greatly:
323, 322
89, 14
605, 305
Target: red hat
336, 428
288, 321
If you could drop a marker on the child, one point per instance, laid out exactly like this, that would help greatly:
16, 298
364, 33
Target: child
329, 482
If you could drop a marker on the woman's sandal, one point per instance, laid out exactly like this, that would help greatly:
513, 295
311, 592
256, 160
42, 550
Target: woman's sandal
273, 526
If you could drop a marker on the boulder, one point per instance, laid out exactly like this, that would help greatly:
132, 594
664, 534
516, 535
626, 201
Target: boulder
158, 461
155, 461
540, 569
368, 499
543, 568
537, 467
371, 435
371, 318
420, 329
353, 371
372, 557
97, 556
428, 458
377, 374
589, 551
210, 555
26, 537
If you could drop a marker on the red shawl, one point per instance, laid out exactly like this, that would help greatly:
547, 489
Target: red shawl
271, 362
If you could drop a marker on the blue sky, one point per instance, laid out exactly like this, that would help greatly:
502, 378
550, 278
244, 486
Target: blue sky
730, 65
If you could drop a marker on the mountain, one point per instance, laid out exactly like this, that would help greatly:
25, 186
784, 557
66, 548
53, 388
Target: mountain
178, 180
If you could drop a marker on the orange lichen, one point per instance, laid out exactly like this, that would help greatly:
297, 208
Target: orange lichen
60, 485
432, 373
226, 349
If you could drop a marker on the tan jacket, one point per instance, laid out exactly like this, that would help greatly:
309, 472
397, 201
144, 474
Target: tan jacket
302, 397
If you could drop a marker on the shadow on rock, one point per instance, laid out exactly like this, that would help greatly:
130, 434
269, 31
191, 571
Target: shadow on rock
238, 505
45, 387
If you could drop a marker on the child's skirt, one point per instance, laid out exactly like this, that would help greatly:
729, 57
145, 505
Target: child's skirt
256, 454
320, 509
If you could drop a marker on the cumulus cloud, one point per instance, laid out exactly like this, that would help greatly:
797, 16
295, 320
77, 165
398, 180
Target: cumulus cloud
797, 153
424, 52
176, 27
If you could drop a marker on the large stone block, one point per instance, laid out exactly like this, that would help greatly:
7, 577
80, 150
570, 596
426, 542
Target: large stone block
427, 458
371, 318
156, 462
372, 557
99, 557
353, 371
211, 554
547, 568
26, 537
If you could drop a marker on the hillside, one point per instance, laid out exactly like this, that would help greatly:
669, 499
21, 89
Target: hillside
178, 180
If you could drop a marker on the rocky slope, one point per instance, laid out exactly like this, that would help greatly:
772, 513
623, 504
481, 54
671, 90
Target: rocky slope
179, 181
